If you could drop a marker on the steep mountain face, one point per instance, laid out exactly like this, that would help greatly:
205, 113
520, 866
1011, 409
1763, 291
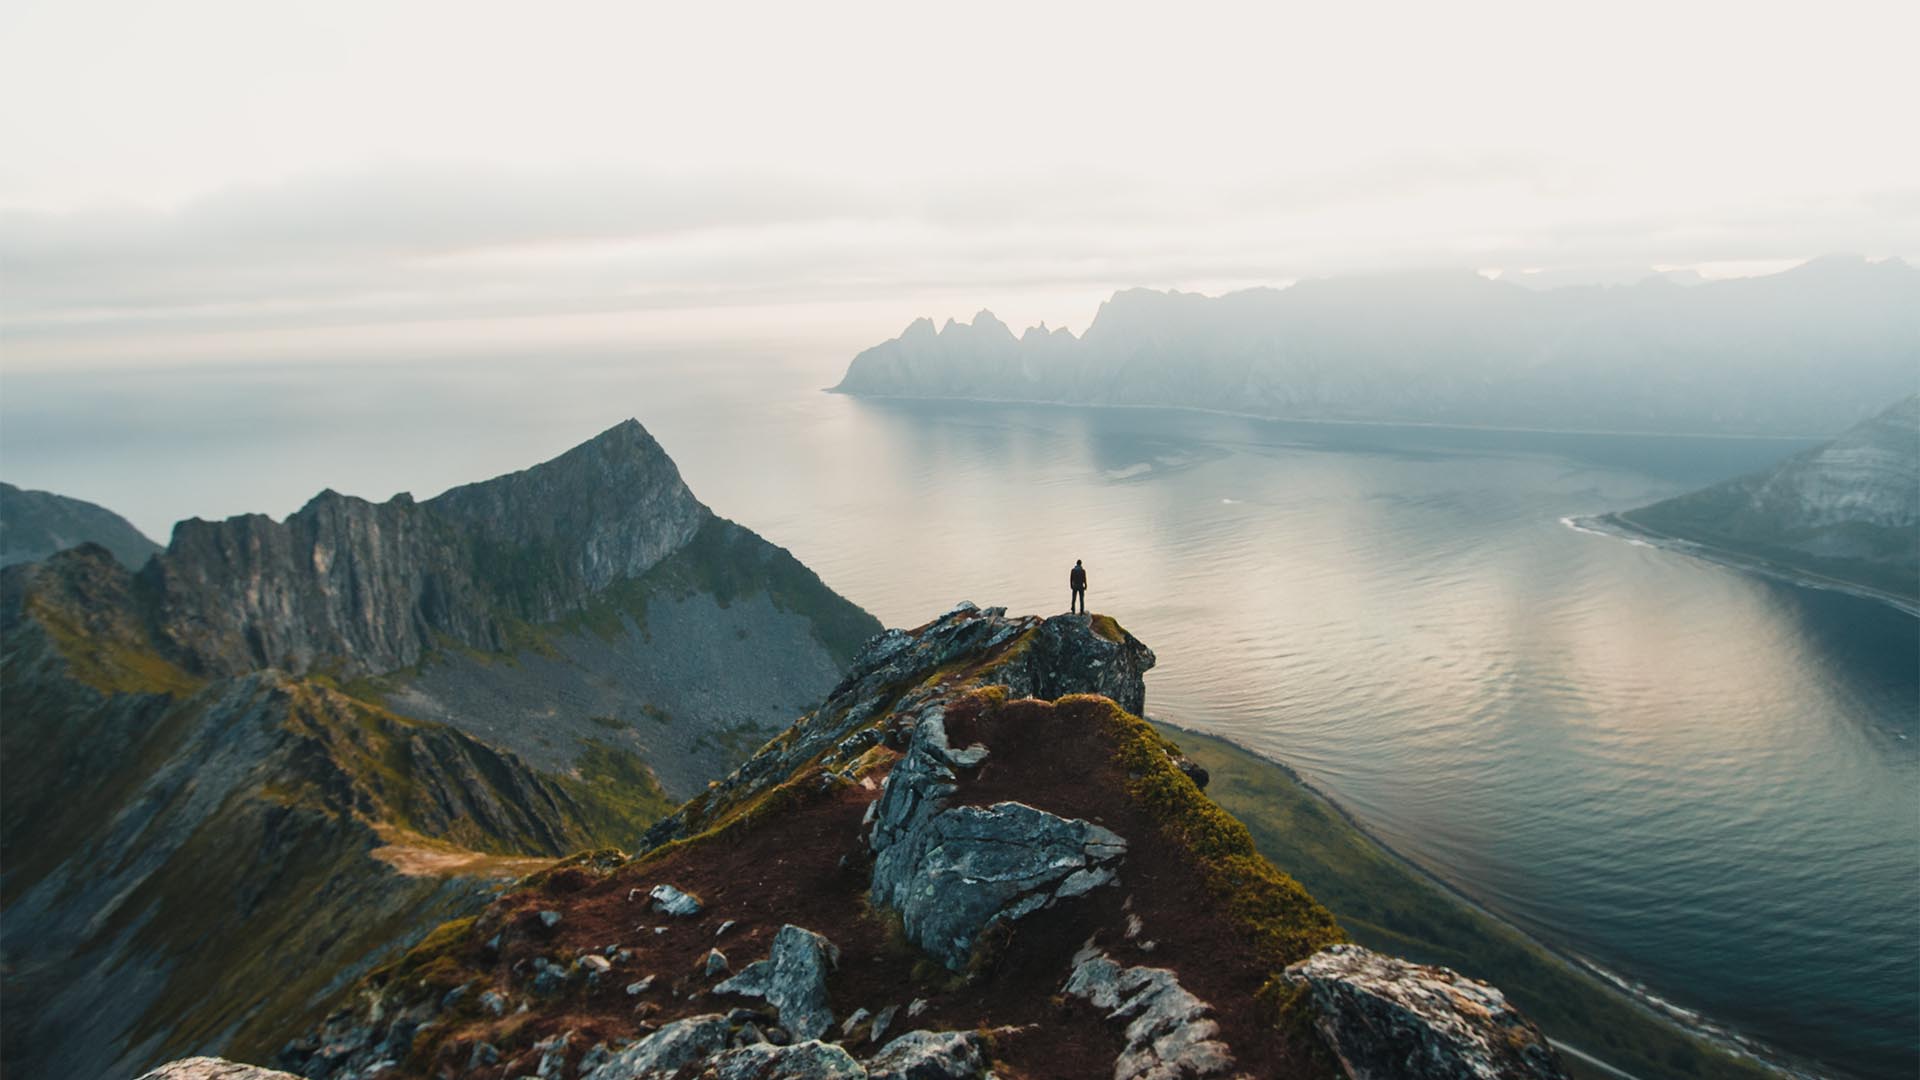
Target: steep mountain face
35, 524
971, 860
359, 588
1810, 350
1848, 510
241, 777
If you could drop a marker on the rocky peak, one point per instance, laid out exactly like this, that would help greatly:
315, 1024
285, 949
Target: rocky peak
608, 509
360, 587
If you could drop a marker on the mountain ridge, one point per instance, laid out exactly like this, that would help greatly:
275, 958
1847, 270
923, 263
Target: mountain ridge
35, 524
1747, 356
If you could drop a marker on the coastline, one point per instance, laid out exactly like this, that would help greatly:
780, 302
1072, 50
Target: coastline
1331, 421
1633, 995
1619, 528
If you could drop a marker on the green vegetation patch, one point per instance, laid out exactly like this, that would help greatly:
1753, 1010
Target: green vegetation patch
1283, 922
114, 658
616, 792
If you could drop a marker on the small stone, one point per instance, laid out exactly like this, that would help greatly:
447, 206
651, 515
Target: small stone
453, 996
659, 930
859, 1017
715, 963
639, 986
724, 927
672, 901
918, 1006
882, 1022
484, 1054
550, 919
493, 1003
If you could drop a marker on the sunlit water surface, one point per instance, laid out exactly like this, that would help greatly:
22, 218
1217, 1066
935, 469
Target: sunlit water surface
1703, 781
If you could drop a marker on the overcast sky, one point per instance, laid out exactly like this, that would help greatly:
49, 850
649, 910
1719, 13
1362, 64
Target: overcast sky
200, 178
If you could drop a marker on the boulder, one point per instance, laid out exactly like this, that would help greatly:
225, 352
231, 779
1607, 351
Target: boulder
951, 873
793, 979
662, 1053
1169, 1031
1385, 1017
672, 901
931, 1055
811, 1060
213, 1068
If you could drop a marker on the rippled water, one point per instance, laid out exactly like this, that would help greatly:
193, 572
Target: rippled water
1701, 780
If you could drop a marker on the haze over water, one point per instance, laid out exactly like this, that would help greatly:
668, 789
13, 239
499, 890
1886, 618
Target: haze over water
1697, 779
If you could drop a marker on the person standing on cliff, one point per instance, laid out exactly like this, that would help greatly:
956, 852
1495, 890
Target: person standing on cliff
1077, 579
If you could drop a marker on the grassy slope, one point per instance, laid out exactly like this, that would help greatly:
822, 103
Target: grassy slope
1389, 906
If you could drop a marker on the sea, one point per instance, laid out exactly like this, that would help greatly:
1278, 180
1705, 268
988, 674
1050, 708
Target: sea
1702, 782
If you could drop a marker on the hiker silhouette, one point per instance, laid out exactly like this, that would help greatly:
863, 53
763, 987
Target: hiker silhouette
1077, 580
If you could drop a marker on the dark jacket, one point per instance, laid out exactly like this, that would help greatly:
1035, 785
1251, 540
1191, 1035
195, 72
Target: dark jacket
1077, 579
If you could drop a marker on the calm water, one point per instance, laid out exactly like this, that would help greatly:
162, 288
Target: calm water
1703, 781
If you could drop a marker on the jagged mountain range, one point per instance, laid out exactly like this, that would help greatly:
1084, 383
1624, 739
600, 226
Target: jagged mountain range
242, 774
1847, 510
35, 524
1811, 350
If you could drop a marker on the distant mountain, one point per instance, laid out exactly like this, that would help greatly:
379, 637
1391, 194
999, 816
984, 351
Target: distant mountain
35, 524
1808, 351
1848, 510
240, 777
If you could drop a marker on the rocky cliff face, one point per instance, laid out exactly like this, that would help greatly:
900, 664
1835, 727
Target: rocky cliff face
1849, 509
1811, 350
934, 875
35, 524
239, 778
359, 588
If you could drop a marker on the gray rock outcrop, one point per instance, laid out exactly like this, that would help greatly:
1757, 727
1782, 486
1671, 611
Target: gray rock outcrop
366, 588
811, 1060
1389, 1019
1169, 1031
793, 979
213, 1068
672, 1048
931, 1055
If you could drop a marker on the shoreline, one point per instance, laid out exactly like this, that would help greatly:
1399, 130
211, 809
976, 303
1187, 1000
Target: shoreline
1619, 528
1332, 421
1636, 994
